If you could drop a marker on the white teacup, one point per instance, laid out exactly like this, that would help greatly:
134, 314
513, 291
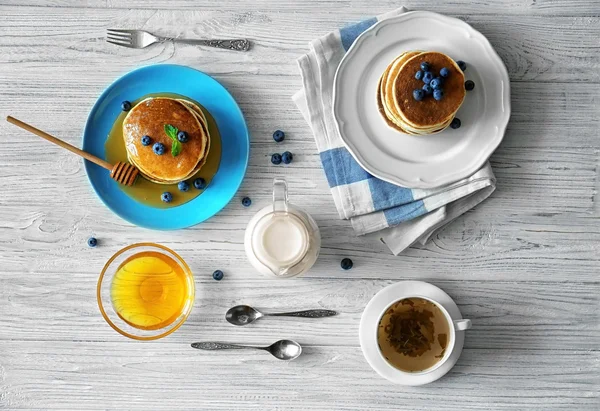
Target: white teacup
376, 309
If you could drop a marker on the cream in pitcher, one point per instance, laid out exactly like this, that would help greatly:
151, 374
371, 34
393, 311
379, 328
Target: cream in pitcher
281, 239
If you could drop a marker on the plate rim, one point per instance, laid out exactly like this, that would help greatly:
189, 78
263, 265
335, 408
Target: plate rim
88, 164
441, 180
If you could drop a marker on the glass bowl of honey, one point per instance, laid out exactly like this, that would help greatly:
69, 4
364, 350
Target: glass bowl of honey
145, 291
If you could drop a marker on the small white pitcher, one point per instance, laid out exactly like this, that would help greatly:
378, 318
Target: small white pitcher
282, 240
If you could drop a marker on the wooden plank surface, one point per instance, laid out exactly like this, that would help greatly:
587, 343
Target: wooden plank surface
339, 7
524, 265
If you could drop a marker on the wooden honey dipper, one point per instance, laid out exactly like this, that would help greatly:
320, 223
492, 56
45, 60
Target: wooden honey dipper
122, 173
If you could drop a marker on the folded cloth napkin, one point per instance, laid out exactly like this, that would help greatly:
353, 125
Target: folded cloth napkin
397, 216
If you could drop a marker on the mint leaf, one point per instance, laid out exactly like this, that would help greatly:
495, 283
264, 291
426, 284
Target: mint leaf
171, 132
175, 148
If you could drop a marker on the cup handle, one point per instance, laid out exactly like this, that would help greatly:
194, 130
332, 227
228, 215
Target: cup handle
280, 195
462, 325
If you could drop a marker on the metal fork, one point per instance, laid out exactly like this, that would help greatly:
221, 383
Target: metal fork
139, 39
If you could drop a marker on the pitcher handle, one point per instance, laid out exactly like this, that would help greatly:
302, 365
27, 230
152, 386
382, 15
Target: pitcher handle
280, 195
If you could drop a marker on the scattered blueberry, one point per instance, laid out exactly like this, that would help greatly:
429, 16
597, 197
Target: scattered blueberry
200, 183
425, 66
278, 136
427, 89
427, 77
246, 201
166, 197
183, 186
276, 158
436, 83
346, 264
287, 157
419, 75
469, 85
462, 65
444, 72
218, 275
158, 148
438, 94
418, 94
455, 123
146, 141
182, 137
92, 242
126, 106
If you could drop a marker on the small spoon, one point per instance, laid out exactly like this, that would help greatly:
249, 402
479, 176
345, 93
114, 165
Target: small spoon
286, 350
122, 173
244, 314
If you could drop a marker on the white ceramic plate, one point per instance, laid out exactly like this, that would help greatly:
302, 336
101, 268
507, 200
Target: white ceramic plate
370, 320
421, 161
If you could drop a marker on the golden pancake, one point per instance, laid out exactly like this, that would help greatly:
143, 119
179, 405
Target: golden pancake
395, 94
386, 89
200, 116
429, 112
149, 117
202, 119
393, 117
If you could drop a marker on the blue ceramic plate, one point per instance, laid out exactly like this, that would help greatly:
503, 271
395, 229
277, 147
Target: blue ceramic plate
197, 86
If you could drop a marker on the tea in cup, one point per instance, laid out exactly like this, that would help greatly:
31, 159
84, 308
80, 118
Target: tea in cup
416, 334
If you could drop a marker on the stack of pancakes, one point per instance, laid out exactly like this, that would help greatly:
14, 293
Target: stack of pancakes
148, 118
395, 94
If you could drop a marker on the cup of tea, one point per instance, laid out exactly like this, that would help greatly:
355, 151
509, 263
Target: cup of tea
412, 333
145, 291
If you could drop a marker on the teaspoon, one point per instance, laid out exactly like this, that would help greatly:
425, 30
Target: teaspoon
286, 350
244, 314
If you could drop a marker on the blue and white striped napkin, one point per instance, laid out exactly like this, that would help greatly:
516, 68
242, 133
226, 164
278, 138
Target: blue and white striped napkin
397, 216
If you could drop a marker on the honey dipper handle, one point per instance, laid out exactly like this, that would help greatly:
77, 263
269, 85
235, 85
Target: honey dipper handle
61, 143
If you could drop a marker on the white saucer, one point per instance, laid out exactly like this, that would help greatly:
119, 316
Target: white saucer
421, 161
370, 321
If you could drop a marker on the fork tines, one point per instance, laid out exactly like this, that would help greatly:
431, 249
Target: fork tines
119, 37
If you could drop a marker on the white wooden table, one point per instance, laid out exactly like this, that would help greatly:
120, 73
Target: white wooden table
524, 265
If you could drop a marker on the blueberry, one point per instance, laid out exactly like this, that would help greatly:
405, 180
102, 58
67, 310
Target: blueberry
246, 201
183, 186
425, 66
276, 158
182, 136
427, 77
166, 197
200, 183
436, 83
346, 264
438, 94
469, 85
444, 72
158, 148
455, 123
278, 136
418, 94
462, 65
126, 106
287, 157
92, 242
146, 141
218, 275
419, 75
427, 89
